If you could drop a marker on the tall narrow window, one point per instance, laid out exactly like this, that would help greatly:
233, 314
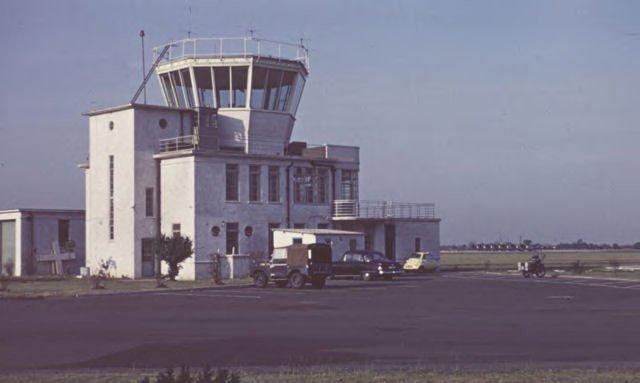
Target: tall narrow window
223, 88
285, 90
297, 186
232, 182
239, 88
258, 79
308, 185
188, 88
205, 86
175, 230
274, 184
274, 78
168, 90
322, 182
297, 94
254, 183
179, 89
349, 184
111, 203
63, 232
232, 238
148, 202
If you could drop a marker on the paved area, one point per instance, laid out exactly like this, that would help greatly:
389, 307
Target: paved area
451, 319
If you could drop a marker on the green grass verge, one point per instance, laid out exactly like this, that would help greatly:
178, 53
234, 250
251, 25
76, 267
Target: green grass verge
505, 260
42, 288
326, 375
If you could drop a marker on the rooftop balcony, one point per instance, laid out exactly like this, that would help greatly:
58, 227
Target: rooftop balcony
222, 47
190, 142
355, 209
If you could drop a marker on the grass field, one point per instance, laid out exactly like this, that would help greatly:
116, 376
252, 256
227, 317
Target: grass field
505, 260
327, 375
70, 286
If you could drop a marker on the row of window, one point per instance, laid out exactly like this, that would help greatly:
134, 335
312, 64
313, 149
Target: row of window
310, 185
226, 87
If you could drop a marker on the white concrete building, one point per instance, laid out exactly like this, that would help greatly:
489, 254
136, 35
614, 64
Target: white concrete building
217, 163
42, 241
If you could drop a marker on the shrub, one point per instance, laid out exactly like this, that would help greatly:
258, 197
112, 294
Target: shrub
9, 268
103, 273
185, 376
174, 250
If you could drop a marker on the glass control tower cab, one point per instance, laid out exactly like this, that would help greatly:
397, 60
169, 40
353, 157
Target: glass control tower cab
244, 91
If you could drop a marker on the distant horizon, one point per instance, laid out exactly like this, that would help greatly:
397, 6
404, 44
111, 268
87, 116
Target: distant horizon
517, 119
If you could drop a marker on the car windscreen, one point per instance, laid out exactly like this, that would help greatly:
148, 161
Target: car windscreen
416, 256
374, 257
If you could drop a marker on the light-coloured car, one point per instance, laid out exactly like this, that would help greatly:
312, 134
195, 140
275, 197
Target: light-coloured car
422, 262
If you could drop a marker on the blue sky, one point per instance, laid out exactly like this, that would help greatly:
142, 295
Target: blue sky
517, 118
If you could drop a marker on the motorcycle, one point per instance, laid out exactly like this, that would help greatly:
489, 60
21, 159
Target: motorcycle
532, 267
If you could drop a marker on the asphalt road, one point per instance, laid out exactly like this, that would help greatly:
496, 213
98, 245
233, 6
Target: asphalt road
450, 319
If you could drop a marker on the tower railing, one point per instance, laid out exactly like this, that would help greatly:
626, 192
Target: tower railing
349, 209
219, 47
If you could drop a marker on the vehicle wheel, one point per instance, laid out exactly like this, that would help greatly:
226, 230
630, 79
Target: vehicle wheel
318, 283
260, 279
420, 269
366, 276
526, 274
297, 280
541, 271
281, 284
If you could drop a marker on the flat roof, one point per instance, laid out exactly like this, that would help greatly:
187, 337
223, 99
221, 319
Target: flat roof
118, 108
322, 231
27, 210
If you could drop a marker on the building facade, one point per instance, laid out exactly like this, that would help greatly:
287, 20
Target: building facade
216, 162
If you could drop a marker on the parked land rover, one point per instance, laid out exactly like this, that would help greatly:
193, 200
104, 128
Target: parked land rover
367, 265
294, 266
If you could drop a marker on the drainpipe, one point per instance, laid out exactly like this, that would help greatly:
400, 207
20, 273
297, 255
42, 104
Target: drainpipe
158, 215
288, 192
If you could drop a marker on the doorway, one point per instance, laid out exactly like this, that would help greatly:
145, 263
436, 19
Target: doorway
390, 241
7, 247
148, 269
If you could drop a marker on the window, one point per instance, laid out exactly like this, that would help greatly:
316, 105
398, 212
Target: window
303, 185
254, 183
148, 202
232, 238
297, 241
274, 77
111, 202
417, 245
297, 94
308, 185
239, 88
232, 182
258, 79
175, 230
349, 184
168, 90
162, 123
322, 184
353, 244
248, 231
223, 89
63, 232
274, 184
215, 231
179, 88
205, 86
285, 90
188, 88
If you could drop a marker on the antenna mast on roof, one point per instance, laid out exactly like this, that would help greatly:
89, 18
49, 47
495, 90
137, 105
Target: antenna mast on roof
143, 65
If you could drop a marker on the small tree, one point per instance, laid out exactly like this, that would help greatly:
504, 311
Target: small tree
9, 268
174, 250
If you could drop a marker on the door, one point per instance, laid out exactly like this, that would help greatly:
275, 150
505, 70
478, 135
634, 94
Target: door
390, 241
8, 247
147, 258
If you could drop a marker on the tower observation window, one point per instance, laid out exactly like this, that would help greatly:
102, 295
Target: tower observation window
223, 89
168, 89
239, 88
205, 86
259, 77
179, 88
188, 87
274, 77
285, 90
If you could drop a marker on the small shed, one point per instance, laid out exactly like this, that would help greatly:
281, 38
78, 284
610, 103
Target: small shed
41, 241
340, 240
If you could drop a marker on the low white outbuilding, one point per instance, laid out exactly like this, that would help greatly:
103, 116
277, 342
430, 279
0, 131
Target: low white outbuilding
340, 240
41, 241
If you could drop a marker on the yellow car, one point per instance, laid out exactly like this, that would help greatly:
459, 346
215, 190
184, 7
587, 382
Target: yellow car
422, 262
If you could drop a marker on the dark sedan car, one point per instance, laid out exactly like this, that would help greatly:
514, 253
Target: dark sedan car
366, 264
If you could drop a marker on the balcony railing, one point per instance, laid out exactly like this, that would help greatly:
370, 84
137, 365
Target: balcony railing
219, 47
190, 142
382, 209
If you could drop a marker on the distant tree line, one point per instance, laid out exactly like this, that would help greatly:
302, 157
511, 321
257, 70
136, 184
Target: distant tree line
529, 245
